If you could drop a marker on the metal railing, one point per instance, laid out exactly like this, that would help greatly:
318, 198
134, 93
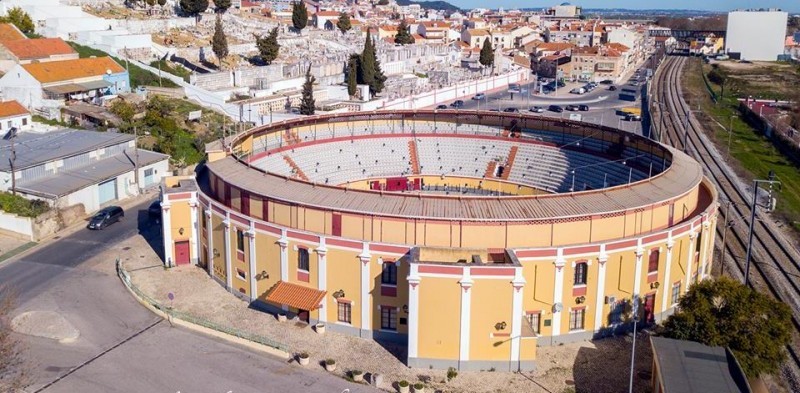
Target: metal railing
187, 317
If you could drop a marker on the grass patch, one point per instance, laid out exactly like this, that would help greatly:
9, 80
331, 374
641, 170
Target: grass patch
20, 206
168, 67
139, 76
17, 251
754, 155
55, 123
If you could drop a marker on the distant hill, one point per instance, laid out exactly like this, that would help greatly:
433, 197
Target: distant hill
433, 5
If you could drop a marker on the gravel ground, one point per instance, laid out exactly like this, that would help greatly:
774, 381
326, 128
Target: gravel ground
600, 366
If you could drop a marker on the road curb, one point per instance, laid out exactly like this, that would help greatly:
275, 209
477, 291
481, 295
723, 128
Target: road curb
125, 278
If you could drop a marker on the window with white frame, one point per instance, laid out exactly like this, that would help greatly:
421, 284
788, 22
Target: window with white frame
576, 319
676, 293
344, 312
388, 318
302, 259
534, 320
580, 273
389, 274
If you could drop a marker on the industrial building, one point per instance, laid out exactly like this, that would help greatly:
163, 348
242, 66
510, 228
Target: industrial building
472, 238
756, 35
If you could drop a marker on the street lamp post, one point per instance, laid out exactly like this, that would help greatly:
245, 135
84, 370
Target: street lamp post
771, 181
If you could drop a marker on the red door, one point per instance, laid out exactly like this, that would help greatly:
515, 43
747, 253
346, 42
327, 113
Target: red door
182, 253
649, 308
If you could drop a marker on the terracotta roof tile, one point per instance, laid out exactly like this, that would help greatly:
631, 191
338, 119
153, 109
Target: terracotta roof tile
12, 108
38, 48
297, 296
65, 70
9, 32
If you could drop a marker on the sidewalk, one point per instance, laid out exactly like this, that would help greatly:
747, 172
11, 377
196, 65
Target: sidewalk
198, 295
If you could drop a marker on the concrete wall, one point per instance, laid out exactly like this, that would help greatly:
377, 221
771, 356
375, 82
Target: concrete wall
756, 35
47, 224
16, 224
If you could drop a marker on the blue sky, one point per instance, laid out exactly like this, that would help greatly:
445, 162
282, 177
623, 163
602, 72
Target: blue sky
713, 5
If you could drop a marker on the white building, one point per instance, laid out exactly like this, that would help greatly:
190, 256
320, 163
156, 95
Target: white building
756, 35
71, 167
14, 115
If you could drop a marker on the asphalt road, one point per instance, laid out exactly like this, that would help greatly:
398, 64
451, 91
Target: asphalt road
122, 346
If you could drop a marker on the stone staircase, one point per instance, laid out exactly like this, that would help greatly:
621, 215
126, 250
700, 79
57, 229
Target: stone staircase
295, 169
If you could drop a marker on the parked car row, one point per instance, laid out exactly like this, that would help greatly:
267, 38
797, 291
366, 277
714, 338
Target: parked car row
585, 88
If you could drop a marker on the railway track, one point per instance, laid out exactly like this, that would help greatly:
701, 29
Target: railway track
775, 265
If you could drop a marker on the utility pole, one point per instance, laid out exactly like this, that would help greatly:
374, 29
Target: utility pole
633, 348
136, 154
728, 224
12, 133
730, 134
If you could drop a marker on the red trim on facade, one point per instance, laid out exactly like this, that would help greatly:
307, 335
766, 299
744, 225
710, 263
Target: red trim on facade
388, 249
183, 195
532, 312
655, 238
621, 245
303, 276
218, 209
652, 277
579, 291
343, 243
267, 228
493, 271
202, 199
390, 291
303, 236
240, 220
436, 269
578, 308
582, 250
540, 253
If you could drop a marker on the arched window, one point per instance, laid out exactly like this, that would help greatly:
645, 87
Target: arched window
580, 273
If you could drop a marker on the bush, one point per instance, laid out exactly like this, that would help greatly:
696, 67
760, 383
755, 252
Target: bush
419, 386
451, 373
330, 362
402, 383
304, 355
20, 206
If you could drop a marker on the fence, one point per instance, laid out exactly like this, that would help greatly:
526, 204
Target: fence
126, 279
708, 85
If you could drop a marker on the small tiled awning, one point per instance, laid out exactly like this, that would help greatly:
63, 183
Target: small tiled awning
297, 296
95, 85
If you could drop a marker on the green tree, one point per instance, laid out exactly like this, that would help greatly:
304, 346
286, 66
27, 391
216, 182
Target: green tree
299, 15
219, 43
125, 111
383, 2
19, 18
487, 53
726, 313
352, 75
193, 7
162, 2
403, 36
343, 24
370, 72
307, 104
268, 47
222, 5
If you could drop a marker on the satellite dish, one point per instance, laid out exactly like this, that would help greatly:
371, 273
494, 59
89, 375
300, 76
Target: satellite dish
557, 307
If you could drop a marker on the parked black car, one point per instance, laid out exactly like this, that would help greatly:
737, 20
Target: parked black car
457, 104
154, 210
572, 108
555, 108
106, 217
583, 108
612, 88
511, 110
442, 106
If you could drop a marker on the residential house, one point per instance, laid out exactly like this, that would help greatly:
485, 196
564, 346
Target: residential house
51, 84
577, 33
37, 50
387, 32
474, 37
14, 115
553, 66
325, 20
434, 31
70, 167
633, 40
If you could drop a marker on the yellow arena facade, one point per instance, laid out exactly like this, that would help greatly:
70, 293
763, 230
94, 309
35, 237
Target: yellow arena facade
472, 237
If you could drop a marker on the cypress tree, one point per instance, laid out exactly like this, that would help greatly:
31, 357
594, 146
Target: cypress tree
219, 43
307, 103
487, 53
193, 7
366, 69
268, 46
299, 15
343, 24
352, 75
403, 36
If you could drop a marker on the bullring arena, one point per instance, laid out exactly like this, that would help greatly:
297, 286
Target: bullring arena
472, 237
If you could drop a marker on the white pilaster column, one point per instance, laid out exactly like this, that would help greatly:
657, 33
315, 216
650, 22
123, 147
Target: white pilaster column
283, 242
518, 284
637, 270
466, 314
195, 235
209, 243
413, 310
366, 305
322, 277
227, 249
251, 262
665, 295
690, 258
704, 249
601, 288
558, 292
166, 229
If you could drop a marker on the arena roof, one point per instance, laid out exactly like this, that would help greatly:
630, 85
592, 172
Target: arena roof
680, 178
